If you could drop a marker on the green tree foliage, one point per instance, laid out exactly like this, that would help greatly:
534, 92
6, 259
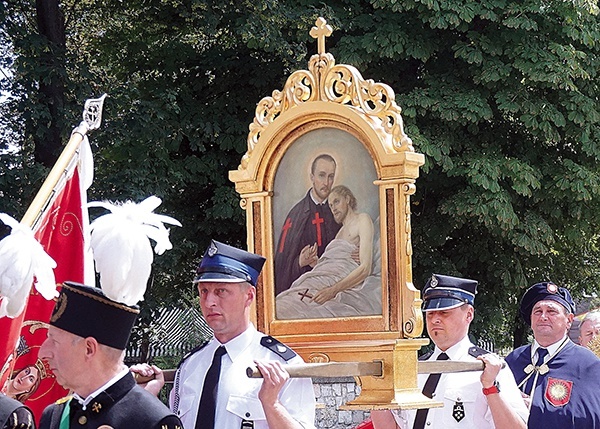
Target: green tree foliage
501, 97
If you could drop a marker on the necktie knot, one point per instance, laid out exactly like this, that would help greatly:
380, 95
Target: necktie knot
542, 353
221, 350
442, 356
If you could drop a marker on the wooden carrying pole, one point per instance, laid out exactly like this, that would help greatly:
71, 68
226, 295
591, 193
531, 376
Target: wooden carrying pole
92, 116
350, 369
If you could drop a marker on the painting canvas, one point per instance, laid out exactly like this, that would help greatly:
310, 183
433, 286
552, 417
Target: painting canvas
326, 229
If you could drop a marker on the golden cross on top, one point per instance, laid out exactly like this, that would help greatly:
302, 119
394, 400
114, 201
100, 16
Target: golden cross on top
320, 32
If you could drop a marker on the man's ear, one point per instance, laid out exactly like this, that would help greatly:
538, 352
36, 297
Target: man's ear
470, 313
570, 319
91, 346
251, 293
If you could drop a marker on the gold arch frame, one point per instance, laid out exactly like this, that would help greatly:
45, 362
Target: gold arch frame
336, 96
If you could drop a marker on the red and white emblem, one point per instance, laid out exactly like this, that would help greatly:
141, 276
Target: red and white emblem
551, 288
558, 392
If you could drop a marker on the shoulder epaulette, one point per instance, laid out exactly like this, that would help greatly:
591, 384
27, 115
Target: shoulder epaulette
63, 399
426, 355
477, 351
191, 352
278, 348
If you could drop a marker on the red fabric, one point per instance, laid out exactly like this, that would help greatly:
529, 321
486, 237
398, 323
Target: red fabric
61, 233
367, 424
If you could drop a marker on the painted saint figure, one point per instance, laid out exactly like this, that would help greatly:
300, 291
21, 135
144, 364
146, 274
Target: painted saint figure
308, 228
338, 285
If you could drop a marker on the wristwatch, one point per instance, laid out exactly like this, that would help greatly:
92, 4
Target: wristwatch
493, 389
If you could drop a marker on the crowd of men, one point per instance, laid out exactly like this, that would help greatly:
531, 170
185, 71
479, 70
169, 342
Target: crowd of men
551, 383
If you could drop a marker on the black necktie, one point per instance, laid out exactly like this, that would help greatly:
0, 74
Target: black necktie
206, 411
542, 352
428, 389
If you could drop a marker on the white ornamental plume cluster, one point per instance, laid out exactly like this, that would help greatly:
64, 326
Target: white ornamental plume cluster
21, 258
122, 251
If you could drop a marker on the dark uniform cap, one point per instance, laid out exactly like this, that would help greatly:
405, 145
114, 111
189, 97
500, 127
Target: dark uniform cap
226, 264
446, 292
85, 311
544, 291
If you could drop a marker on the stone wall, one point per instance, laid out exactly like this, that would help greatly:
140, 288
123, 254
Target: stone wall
331, 393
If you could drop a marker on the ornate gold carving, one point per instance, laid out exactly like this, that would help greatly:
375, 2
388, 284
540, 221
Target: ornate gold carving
413, 326
342, 84
320, 32
318, 358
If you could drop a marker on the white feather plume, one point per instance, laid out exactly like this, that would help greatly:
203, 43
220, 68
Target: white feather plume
22, 258
121, 248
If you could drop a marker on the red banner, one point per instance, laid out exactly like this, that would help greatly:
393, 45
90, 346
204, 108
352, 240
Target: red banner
62, 232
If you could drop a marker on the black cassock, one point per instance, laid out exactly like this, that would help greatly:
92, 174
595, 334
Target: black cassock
306, 224
124, 405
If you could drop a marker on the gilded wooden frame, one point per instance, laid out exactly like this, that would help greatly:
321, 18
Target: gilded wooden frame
337, 97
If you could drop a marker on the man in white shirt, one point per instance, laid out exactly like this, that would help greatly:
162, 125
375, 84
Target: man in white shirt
211, 389
474, 400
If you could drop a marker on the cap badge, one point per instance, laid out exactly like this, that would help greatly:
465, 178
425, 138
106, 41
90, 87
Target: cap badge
552, 288
59, 308
433, 282
212, 250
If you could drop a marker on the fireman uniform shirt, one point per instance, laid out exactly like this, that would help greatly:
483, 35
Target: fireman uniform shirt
465, 405
237, 403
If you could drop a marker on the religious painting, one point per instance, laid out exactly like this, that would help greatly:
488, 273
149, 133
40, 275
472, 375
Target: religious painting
326, 229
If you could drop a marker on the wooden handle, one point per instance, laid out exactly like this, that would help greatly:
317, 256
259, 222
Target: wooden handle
348, 369
329, 369
447, 366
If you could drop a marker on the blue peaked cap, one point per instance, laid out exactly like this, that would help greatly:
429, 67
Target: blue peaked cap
222, 263
446, 292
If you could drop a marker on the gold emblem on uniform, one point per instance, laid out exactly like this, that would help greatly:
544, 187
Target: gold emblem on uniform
82, 420
63, 400
96, 407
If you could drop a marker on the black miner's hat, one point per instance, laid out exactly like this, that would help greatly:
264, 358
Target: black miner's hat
222, 263
446, 292
85, 311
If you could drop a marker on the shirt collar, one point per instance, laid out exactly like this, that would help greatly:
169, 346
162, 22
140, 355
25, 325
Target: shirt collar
90, 398
237, 345
457, 351
552, 348
324, 202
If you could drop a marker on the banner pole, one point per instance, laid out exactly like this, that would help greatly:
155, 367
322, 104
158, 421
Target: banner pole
92, 117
